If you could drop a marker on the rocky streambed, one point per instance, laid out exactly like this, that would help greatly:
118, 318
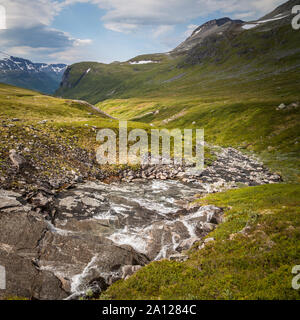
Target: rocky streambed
61, 245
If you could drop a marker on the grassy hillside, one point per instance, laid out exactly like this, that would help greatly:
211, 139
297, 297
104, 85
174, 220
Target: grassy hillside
253, 264
58, 149
230, 86
246, 56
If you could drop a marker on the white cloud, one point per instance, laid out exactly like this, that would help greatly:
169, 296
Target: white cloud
162, 31
125, 16
29, 22
26, 14
82, 42
243, 15
29, 33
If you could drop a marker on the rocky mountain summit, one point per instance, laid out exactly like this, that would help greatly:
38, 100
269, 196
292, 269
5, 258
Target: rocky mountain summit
208, 29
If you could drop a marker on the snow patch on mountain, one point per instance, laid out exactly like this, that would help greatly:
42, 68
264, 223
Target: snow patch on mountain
142, 62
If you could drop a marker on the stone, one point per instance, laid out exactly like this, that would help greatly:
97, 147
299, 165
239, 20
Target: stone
205, 228
17, 160
20, 237
41, 200
209, 240
282, 106
129, 270
43, 122
179, 257
8, 199
187, 244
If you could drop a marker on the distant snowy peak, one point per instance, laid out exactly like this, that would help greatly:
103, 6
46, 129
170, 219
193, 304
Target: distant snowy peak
8, 64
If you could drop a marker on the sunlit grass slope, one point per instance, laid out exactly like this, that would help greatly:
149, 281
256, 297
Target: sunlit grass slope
254, 264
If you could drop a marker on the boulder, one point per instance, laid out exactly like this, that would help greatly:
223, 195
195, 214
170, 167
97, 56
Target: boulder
282, 106
17, 160
20, 238
187, 244
9, 199
128, 271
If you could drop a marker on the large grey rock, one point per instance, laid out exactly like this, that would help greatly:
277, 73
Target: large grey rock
85, 259
20, 237
9, 199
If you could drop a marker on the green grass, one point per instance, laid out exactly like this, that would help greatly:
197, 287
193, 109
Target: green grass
232, 93
55, 147
256, 265
253, 125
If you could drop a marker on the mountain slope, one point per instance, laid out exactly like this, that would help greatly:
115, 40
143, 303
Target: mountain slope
230, 84
221, 48
210, 28
36, 76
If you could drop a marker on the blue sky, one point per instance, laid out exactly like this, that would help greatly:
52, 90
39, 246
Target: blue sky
70, 31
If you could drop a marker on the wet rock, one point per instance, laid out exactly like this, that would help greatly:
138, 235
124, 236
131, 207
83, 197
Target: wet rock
20, 237
101, 233
82, 258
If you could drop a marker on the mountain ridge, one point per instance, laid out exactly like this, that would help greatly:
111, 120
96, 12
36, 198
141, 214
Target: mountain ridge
225, 46
29, 75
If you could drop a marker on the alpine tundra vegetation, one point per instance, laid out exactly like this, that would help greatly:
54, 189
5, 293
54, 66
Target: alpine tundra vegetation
73, 228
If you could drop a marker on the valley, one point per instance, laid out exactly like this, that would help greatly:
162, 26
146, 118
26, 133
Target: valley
74, 229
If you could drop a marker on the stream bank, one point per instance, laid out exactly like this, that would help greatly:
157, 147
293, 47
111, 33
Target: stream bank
61, 245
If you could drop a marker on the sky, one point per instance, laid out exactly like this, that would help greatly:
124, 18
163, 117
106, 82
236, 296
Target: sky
69, 31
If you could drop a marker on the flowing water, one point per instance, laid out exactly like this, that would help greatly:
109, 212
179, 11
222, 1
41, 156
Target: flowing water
101, 228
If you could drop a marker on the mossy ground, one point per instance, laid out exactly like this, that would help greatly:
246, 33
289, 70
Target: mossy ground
54, 148
254, 265
234, 99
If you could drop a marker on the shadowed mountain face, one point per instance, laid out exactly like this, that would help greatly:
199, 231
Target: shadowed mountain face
222, 48
36, 76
